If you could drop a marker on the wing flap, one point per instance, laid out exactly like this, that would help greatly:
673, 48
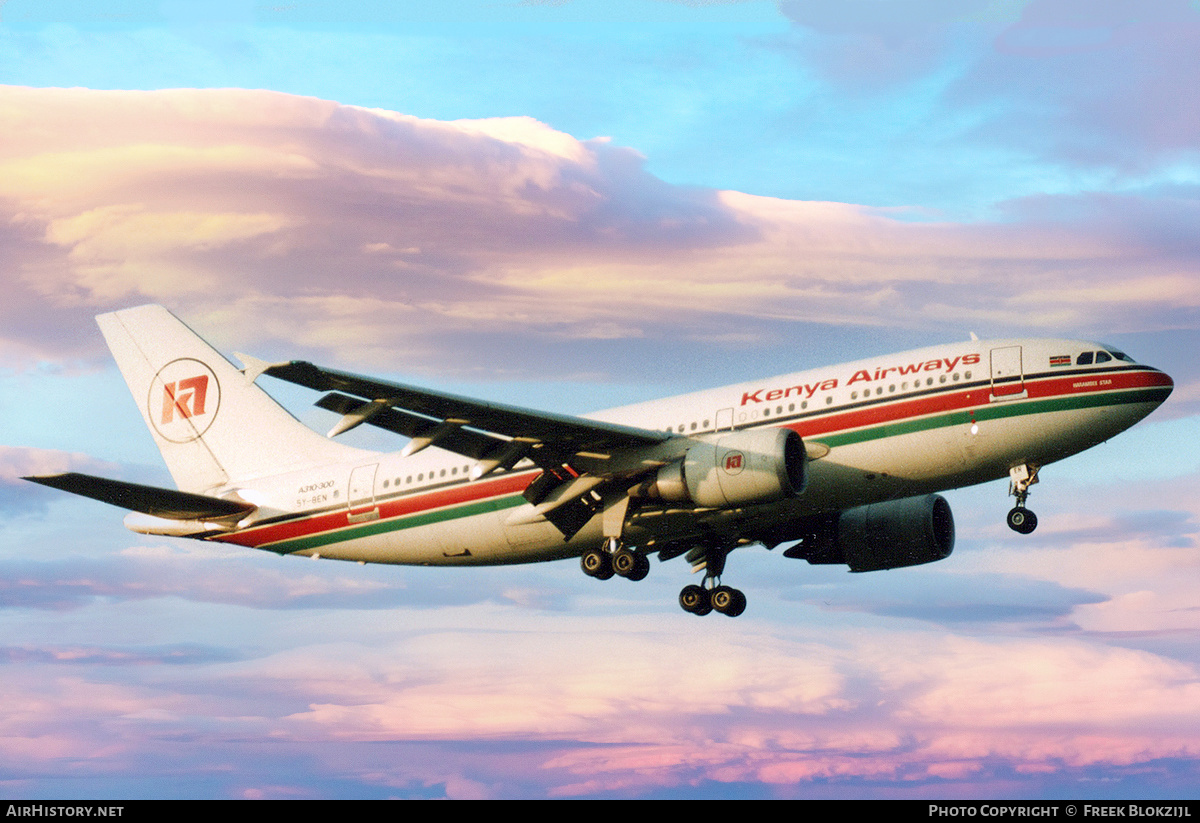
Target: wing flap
166, 503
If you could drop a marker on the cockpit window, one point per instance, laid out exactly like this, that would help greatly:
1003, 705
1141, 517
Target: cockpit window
1084, 359
1120, 355
1103, 357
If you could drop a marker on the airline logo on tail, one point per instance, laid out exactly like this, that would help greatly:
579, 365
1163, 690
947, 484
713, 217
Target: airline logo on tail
184, 398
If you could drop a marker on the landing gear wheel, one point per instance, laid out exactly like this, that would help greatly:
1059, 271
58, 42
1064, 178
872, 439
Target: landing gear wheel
728, 601
695, 600
1022, 520
630, 564
641, 569
596, 563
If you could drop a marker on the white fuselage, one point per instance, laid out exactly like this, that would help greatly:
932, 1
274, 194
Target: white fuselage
875, 430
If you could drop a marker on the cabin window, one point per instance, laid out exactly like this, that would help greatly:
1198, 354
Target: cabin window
385, 484
853, 395
791, 407
954, 377
706, 424
828, 400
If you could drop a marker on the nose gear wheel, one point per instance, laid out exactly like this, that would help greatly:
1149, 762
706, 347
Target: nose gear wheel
1021, 519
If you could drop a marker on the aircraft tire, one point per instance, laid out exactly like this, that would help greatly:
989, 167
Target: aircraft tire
624, 562
630, 564
695, 600
641, 569
728, 601
1022, 520
596, 563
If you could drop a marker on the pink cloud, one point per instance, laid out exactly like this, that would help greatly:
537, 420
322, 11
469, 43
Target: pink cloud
382, 237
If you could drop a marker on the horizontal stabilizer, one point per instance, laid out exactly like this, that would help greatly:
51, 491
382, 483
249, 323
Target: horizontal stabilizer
165, 503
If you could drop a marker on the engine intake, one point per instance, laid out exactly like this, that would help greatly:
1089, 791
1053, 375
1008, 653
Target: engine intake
880, 536
747, 467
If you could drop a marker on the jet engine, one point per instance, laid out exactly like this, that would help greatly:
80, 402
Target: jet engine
888, 535
740, 468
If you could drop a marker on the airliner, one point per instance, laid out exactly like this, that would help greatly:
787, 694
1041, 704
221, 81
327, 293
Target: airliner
843, 462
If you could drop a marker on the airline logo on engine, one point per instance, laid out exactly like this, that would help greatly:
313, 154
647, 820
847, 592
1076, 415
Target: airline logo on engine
183, 401
734, 461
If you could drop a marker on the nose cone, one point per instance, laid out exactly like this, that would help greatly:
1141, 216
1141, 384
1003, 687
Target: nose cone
1160, 386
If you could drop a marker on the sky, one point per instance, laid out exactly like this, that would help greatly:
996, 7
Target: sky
572, 206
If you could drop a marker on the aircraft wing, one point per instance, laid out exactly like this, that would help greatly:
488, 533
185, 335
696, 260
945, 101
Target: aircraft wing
417, 407
582, 460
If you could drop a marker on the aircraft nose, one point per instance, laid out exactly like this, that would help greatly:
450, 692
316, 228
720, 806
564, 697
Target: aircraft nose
1164, 384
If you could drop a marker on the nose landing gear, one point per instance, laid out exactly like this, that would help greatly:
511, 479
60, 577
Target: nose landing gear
1021, 519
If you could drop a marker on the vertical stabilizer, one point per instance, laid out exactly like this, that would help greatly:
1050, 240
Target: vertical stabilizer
211, 423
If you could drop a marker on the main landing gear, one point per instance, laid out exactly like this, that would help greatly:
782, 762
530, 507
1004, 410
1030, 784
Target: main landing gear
1021, 519
712, 596
700, 601
612, 558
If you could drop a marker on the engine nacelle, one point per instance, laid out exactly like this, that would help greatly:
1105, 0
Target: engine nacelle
879, 536
741, 468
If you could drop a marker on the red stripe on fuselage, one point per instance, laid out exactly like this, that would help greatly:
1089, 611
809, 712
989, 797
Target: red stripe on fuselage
396, 507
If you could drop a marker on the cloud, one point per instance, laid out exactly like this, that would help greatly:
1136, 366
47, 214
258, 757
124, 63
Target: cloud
864, 690
211, 574
1095, 84
380, 237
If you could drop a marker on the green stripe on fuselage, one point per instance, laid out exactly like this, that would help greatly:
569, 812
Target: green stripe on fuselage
995, 411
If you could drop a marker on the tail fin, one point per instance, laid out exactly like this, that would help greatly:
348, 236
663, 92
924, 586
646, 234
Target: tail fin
211, 423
